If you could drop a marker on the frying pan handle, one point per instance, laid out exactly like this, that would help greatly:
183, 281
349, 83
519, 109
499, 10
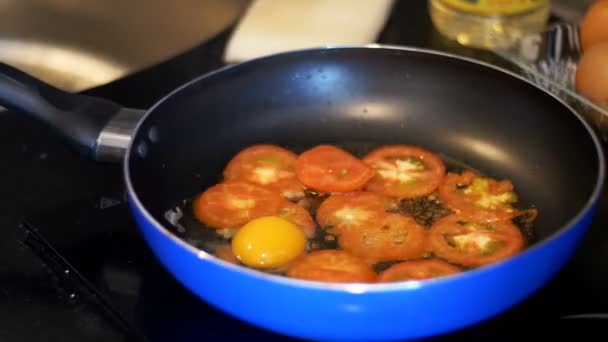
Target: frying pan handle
96, 127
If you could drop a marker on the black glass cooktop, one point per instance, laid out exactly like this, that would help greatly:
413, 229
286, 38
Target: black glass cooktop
93, 247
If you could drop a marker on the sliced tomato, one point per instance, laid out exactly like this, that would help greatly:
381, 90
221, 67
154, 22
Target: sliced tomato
404, 171
477, 196
299, 216
470, 242
351, 210
327, 168
331, 266
268, 165
393, 238
234, 203
290, 188
417, 270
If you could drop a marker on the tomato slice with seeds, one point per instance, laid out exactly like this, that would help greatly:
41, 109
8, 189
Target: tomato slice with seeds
404, 171
268, 165
233, 203
327, 168
351, 210
477, 196
332, 266
469, 242
395, 237
417, 270
299, 216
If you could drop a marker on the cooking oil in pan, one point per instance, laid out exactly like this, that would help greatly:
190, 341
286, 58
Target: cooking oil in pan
425, 210
488, 24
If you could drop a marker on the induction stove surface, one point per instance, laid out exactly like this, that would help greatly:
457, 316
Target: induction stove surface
95, 247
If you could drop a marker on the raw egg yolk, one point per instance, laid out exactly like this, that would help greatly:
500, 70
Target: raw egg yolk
268, 242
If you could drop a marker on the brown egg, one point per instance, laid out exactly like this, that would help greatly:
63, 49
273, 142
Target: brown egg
594, 26
592, 74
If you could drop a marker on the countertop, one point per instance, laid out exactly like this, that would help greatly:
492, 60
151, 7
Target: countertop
39, 173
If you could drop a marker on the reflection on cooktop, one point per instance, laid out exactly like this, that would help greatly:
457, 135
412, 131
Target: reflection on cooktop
95, 248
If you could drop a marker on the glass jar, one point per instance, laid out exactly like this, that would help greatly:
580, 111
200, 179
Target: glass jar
488, 24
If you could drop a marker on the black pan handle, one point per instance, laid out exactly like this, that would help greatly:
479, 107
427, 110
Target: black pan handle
98, 128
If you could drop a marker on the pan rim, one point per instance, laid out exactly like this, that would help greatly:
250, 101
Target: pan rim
361, 288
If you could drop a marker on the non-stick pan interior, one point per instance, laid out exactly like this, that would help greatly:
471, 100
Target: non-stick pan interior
361, 98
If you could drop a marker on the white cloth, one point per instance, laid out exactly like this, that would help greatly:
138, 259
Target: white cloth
272, 26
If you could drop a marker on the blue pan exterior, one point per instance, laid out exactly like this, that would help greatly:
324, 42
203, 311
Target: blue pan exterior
363, 312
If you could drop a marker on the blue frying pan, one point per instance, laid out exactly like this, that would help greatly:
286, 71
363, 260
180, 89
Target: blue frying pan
350, 96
